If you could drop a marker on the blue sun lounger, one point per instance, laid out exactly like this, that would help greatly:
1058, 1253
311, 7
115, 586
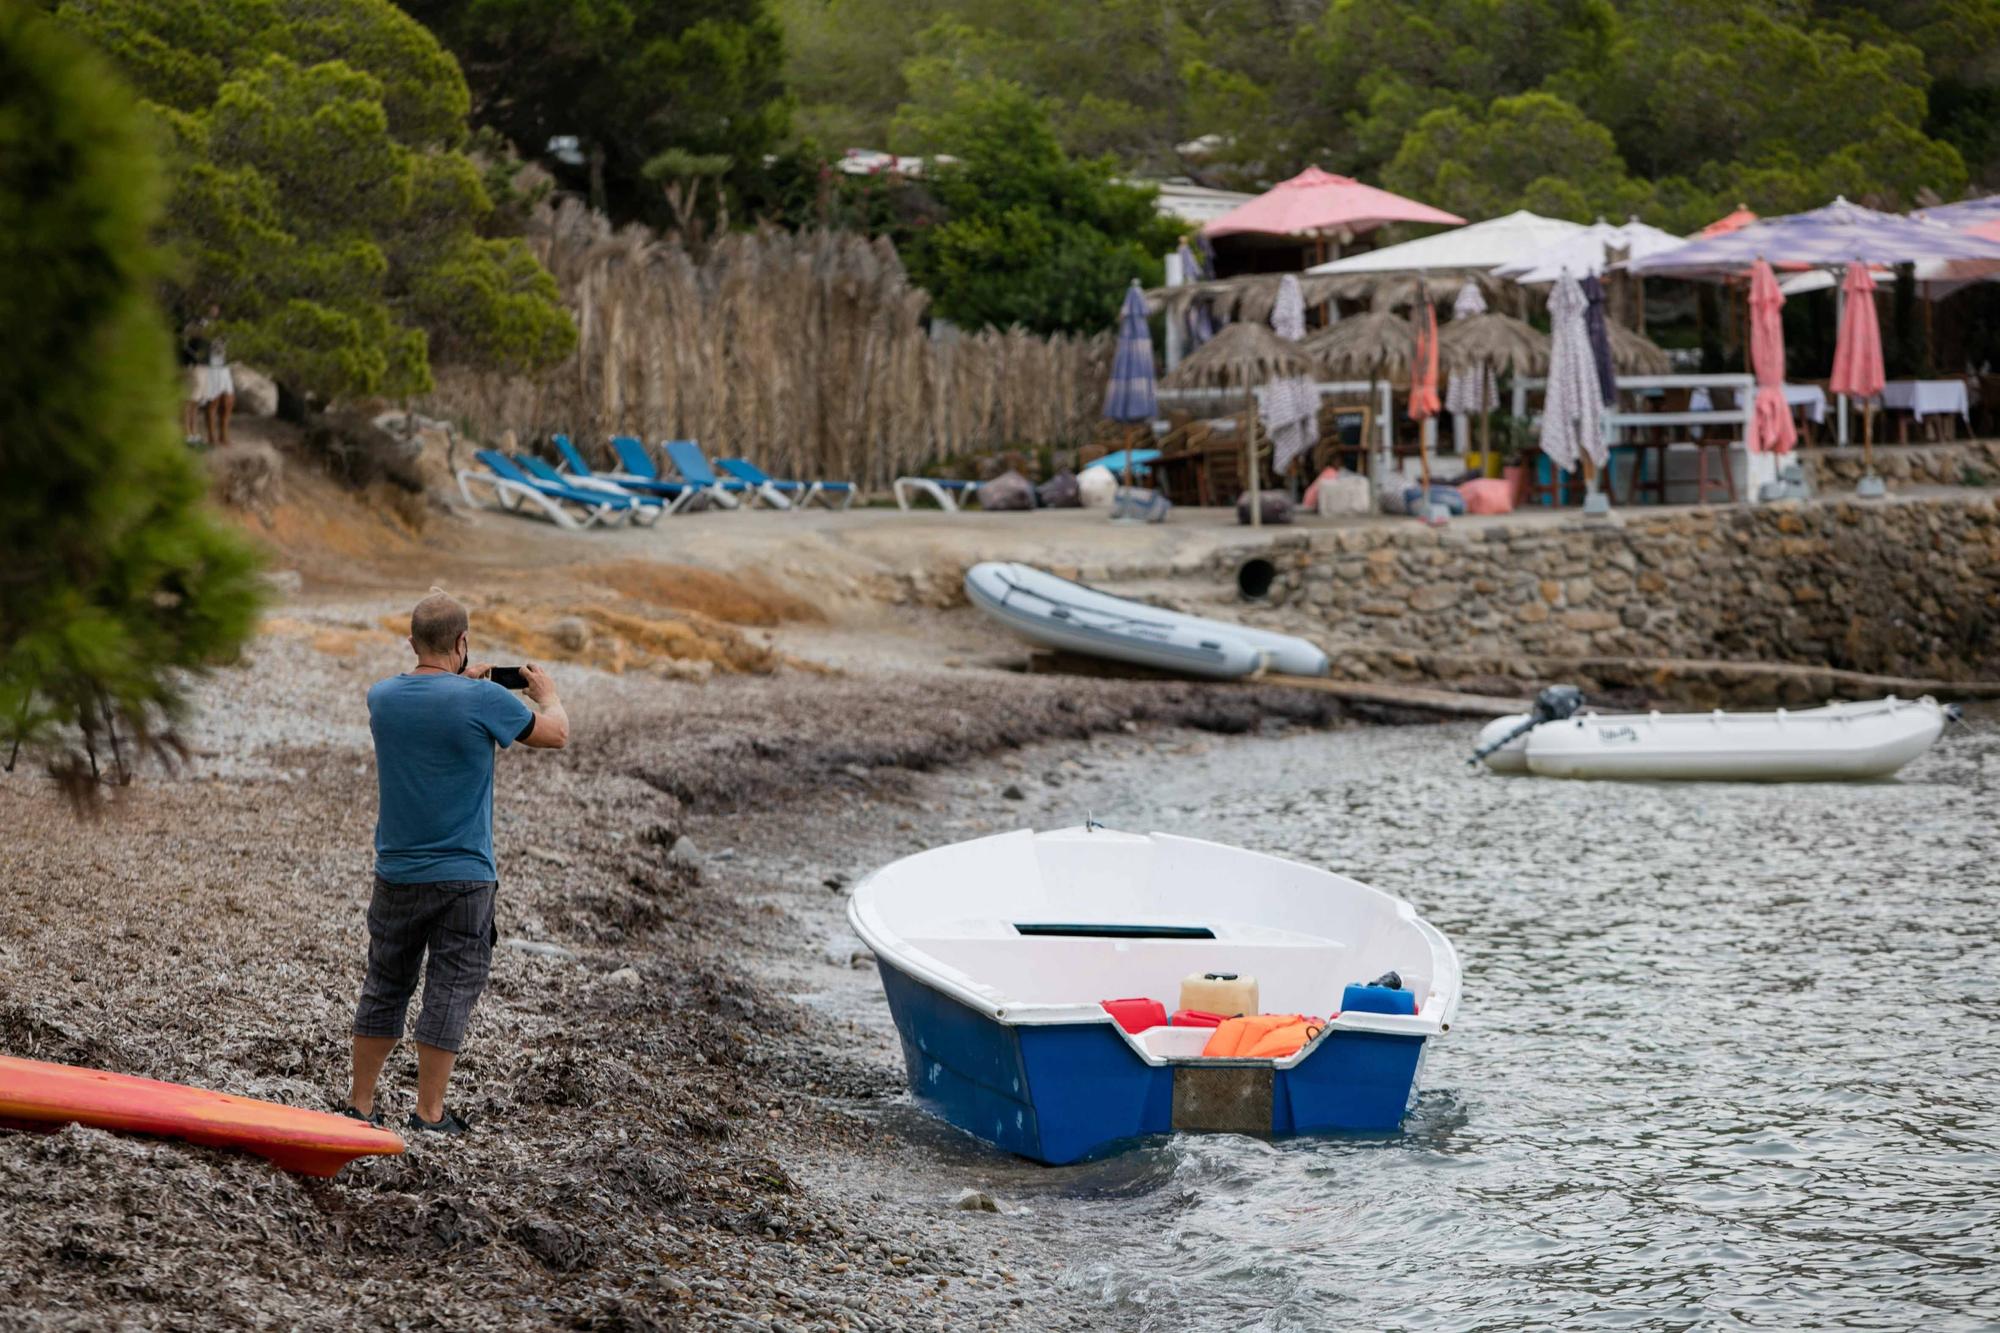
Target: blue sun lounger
645, 511
673, 492
772, 490
512, 489
947, 491
639, 463
692, 464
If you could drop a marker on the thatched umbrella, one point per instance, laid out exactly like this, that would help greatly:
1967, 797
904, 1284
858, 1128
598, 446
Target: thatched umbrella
1492, 343
1374, 344
1242, 356
1250, 298
1634, 353
1384, 291
1495, 342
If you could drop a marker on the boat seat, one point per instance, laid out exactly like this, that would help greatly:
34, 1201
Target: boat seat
1292, 969
1169, 1043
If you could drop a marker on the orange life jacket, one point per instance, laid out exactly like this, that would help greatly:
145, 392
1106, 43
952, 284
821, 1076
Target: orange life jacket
1262, 1036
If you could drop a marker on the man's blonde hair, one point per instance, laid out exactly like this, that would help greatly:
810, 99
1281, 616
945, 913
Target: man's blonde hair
436, 623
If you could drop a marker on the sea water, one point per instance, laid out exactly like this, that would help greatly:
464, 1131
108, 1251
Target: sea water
1727, 1056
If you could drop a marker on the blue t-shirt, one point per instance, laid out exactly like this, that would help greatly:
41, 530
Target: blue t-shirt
434, 739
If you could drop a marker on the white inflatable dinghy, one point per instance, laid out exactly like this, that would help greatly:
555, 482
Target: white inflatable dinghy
1839, 742
1077, 619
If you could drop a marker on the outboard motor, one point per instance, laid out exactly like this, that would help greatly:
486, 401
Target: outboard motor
1553, 704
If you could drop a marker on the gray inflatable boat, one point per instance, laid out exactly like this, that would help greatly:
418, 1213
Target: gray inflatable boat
1069, 616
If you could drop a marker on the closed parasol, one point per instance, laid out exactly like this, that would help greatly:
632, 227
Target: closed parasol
1770, 429
1572, 403
1600, 340
1424, 401
1289, 406
1471, 390
1200, 319
1857, 361
1130, 395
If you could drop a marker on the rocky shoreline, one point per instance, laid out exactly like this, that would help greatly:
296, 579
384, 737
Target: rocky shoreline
666, 1135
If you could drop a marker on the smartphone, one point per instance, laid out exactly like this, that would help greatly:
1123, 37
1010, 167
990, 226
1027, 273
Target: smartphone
512, 677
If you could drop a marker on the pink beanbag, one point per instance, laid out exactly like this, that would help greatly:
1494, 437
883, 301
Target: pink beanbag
1487, 495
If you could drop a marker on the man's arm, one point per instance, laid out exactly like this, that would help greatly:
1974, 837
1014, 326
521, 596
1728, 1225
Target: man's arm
550, 730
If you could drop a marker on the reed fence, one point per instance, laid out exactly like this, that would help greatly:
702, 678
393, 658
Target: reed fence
806, 352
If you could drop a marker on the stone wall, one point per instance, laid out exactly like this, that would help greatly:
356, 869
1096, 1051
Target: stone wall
1906, 587
1958, 463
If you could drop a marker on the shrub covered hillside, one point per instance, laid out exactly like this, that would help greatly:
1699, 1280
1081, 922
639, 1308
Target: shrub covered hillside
1678, 109
322, 192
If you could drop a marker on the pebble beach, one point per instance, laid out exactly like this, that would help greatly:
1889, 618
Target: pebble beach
667, 1131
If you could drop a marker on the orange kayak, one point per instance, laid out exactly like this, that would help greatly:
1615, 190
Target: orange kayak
37, 1095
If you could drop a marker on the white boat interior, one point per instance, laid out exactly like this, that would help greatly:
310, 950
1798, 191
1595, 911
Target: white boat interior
1040, 928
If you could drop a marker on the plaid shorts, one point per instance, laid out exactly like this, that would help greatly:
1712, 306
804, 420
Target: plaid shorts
452, 921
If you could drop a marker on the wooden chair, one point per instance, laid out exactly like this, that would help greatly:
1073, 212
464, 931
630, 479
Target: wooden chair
1547, 484
1222, 472
1702, 481
1649, 469
1347, 445
1179, 476
1986, 405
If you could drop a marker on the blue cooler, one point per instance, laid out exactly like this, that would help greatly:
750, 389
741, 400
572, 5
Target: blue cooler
1371, 999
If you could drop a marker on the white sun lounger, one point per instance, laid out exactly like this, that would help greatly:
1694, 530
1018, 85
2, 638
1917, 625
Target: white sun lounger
645, 511
513, 491
673, 494
944, 490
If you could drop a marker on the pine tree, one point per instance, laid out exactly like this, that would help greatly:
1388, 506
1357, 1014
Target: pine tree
115, 581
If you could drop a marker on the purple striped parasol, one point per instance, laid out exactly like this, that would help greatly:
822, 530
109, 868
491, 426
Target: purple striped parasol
1832, 237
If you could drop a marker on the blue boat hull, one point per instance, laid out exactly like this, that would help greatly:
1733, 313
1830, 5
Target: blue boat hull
1061, 1092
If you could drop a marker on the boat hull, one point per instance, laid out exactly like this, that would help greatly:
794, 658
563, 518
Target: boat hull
1511, 757
1078, 619
1834, 744
1063, 1092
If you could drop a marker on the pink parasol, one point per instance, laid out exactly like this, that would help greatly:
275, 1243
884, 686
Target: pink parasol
1316, 202
1722, 226
1424, 365
1424, 401
1857, 355
1771, 430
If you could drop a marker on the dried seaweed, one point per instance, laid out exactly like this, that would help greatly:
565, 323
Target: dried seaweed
635, 1104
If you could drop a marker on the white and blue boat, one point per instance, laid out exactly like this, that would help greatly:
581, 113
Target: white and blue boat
997, 955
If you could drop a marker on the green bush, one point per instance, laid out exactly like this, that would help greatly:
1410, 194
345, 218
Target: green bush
114, 580
1031, 235
629, 80
321, 195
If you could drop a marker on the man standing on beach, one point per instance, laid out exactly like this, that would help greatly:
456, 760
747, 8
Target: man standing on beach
435, 730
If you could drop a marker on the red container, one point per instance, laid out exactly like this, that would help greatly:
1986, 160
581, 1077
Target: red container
1196, 1018
1137, 1015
